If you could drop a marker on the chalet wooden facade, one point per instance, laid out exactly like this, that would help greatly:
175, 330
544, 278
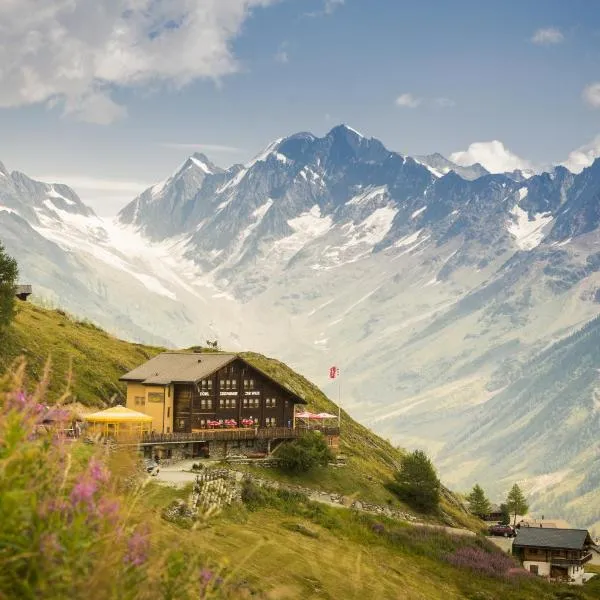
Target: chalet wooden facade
558, 554
199, 399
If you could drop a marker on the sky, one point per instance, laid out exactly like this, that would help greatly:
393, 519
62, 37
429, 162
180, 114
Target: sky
110, 96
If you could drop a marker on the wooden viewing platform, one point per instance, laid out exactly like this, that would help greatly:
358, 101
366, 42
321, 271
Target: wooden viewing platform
207, 435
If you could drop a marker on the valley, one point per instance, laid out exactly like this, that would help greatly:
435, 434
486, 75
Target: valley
442, 294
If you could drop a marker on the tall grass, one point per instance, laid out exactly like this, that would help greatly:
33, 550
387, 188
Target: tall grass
73, 522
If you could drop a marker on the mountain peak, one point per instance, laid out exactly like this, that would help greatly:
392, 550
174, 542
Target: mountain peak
344, 130
3, 170
199, 161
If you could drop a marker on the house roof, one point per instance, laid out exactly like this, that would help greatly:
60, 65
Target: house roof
186, 367
178, 367
23, 289
539, 537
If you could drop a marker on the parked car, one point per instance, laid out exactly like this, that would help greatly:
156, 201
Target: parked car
150, 465
499, 529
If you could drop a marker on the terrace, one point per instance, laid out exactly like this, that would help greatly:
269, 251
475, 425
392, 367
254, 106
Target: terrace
225, 435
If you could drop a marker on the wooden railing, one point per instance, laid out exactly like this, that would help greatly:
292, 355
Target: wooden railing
571, 561
206, 435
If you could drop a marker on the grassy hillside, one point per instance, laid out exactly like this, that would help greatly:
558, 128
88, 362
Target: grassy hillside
97, 359
282, 546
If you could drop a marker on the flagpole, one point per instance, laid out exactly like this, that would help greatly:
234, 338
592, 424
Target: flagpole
339, 403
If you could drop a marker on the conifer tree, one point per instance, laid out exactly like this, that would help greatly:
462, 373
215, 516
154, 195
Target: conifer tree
8, 278
516, 502
505, 518
478, 503
416, 482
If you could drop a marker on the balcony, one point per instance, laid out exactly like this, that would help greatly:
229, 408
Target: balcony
566, 562
224, 435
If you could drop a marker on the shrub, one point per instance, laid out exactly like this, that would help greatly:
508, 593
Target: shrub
304, 454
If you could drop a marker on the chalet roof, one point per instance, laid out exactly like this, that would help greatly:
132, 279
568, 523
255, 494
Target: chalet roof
23, 289
178, 367
539, 537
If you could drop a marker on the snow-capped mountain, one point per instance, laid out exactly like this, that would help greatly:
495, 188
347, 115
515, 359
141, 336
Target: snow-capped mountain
430, 285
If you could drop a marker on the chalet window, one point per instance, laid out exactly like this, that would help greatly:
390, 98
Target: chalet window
206, 385
252, 402
156, 396
270, 421
533, 569
227, 402
205, 403
227, 384
270, 402
249, 384
140, 401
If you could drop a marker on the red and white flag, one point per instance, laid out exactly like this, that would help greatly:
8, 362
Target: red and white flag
333, 372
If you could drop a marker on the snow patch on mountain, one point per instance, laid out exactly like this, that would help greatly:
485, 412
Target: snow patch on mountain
52, 193
369, 194
528, 232
201, 165
417, 212
307, 227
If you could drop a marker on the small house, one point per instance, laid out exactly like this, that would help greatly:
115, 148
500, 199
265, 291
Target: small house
558, 554
22, 292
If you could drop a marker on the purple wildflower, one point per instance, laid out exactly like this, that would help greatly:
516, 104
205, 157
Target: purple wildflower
53, 505
50, 547
137, 547
97, 471
206, 575
109, 509
83, 492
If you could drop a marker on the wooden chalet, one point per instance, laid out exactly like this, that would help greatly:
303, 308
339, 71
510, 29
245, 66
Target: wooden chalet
213, 404
558, 554
22, 292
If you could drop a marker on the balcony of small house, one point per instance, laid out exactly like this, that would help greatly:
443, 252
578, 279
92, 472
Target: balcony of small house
573, 560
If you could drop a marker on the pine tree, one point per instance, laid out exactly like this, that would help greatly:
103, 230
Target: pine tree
505, 518
416, 482
516, 502
478, 503
8, 278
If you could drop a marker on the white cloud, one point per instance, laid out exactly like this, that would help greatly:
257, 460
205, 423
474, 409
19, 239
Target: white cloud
407, 100
75, 52
329, 7
201, 147
547, 36
583, 156
105, 196
282, 56
444, 102
591, 94
494, 156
